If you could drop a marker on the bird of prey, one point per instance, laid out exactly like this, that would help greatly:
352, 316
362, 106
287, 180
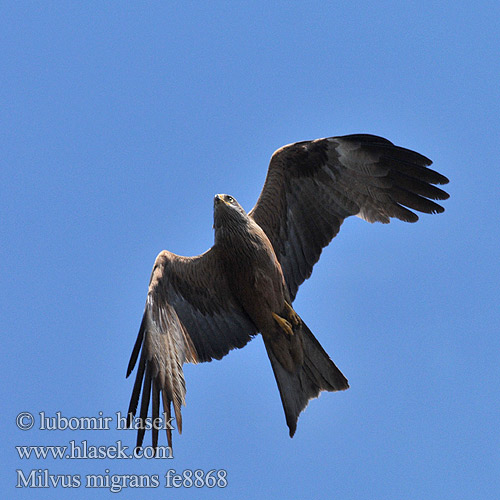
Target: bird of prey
199, 308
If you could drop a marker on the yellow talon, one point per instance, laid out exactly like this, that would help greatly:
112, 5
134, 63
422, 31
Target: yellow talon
284, 324
294, 317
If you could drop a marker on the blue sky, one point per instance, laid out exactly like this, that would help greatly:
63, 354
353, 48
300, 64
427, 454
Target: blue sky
120, 121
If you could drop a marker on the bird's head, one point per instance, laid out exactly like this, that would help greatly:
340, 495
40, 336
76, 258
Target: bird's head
229, 215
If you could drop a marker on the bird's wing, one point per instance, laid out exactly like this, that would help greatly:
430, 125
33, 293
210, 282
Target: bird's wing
190, 316
312, 186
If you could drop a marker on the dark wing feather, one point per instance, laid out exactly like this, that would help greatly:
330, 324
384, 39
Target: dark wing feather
312, 186
190, 316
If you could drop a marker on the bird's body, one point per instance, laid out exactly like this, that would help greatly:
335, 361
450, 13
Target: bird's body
249, 263
248, 260
199, 308
255, 278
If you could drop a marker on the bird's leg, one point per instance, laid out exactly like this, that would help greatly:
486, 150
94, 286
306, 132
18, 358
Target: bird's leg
284, 324
293, 316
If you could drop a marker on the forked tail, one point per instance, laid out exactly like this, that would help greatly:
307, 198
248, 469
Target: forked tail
317, 373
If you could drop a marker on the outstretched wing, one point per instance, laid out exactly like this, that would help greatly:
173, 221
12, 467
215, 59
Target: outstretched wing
312, 186
190, 316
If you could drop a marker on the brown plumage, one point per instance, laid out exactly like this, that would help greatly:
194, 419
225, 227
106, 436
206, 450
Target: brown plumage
199, 308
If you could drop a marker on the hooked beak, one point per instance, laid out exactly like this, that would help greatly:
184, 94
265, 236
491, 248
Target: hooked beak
219, 198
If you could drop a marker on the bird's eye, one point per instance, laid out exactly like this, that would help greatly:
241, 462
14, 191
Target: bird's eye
230, 199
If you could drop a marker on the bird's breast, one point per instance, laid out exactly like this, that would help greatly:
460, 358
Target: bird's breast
254, 275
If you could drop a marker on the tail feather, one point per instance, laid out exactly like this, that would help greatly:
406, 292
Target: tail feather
317, 373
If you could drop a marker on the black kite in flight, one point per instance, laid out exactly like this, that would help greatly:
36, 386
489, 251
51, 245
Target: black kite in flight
199, 308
